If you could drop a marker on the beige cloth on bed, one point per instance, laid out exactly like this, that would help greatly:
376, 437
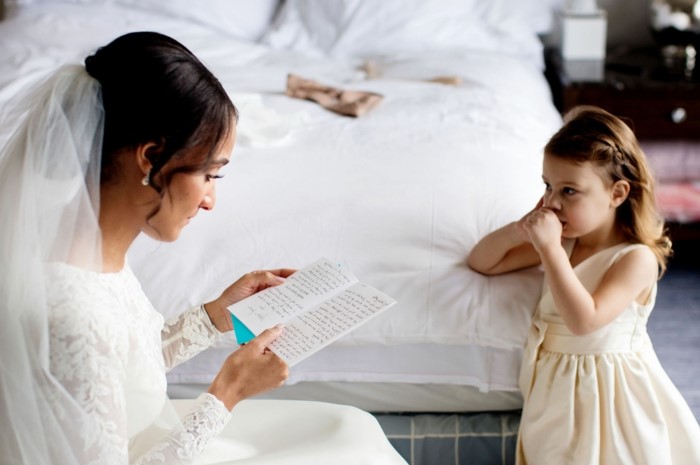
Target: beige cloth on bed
344, 102
601, 398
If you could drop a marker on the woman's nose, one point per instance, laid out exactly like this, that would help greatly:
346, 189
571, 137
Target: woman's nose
208, 200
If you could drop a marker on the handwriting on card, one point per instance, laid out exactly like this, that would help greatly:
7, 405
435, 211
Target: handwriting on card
318, 304
328, 321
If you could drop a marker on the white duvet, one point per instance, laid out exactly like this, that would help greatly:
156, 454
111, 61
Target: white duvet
399, 195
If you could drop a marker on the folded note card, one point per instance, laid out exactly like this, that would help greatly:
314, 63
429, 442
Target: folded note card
317, 304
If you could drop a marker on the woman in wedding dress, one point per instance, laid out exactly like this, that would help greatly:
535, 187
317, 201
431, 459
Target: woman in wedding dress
132, 143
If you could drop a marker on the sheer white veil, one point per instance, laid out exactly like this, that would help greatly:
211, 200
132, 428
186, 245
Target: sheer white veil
49, 201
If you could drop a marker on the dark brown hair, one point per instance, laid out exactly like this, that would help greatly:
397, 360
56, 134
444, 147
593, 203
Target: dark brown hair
155, 90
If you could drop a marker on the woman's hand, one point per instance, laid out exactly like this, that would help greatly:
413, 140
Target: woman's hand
250, 370
246, 286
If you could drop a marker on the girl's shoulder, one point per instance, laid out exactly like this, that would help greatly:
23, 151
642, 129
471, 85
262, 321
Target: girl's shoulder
606, 258
629, 259
636, 261
633, 251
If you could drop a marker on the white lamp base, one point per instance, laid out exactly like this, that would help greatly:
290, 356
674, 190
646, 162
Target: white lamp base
583, 35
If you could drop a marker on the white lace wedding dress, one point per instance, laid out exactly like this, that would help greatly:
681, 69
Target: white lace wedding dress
110, 349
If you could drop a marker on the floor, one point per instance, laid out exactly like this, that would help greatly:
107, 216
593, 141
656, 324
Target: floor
674, 326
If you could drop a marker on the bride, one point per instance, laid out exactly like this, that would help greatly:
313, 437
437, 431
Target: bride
132, 143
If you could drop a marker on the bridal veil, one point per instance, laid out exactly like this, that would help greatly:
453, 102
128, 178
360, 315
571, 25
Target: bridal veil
49, 200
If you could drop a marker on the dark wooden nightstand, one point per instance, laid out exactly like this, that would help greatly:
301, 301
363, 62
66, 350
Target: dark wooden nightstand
657, 101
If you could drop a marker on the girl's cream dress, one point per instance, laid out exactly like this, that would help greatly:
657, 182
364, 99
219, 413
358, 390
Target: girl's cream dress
602, 398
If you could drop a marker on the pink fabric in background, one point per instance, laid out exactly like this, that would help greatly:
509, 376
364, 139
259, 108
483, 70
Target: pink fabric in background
674, 161
676, 165
679, 202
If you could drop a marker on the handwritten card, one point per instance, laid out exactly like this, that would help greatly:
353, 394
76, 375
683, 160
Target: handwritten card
317, 304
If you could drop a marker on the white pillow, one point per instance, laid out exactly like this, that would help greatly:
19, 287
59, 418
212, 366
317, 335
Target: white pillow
370, 28
242, 19
351, 28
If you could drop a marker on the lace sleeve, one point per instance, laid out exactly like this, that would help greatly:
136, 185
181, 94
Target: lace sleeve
90, 346
88, 357
205, 421
187, 335
89, 349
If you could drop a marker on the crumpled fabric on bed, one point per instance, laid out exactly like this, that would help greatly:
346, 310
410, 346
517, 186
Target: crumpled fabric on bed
342, 101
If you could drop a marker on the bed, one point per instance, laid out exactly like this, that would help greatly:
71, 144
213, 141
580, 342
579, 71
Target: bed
399, 194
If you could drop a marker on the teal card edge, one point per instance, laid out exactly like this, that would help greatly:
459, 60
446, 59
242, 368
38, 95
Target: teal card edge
243, 334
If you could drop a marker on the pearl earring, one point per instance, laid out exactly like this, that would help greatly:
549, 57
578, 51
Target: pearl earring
146, 179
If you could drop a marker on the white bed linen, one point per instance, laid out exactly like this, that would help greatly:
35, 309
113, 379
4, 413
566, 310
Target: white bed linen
397, 378
383, 397
486, 368
399, 195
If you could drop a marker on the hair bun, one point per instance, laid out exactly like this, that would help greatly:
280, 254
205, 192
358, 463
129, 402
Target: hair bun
92, 66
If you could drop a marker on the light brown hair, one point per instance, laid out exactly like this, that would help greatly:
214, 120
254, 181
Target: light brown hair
591, 134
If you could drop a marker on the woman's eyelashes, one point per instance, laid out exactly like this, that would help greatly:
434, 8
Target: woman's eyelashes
210, 177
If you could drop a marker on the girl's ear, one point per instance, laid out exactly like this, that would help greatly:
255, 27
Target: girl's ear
620, 191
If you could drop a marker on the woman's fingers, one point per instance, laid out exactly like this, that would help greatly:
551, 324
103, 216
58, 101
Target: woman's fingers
283, 272
265, 338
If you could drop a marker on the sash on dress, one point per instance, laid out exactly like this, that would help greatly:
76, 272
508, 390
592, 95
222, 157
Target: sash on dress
535, 338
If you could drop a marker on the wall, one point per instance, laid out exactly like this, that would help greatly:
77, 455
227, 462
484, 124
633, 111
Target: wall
628, 22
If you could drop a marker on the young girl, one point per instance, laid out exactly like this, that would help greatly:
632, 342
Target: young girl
594, 391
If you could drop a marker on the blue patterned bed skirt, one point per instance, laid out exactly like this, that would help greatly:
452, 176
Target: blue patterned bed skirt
461, 439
